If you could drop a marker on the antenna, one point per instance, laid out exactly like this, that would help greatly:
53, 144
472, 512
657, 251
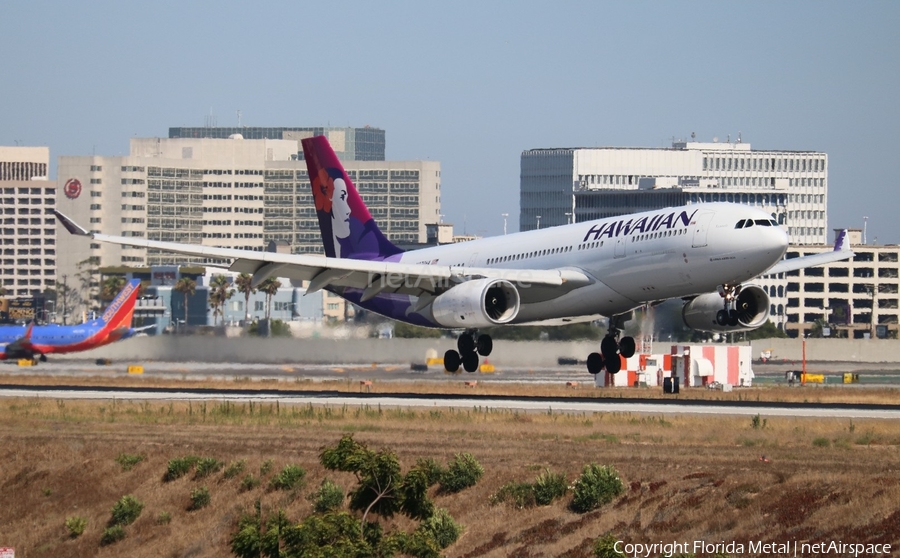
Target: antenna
239, 117
505, 215
865, 223
211, 119
739, 136
693, 135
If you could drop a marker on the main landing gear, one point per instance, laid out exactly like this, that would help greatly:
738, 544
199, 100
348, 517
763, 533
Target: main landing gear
612, 348
470, 345
729, 315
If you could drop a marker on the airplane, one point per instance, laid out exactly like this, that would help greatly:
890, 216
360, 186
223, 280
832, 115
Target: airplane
34, 343
704, 253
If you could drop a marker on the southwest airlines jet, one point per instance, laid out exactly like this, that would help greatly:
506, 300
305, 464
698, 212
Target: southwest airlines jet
36, 342
704, 253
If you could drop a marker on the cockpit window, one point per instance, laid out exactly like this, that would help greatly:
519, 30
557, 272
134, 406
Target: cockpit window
749, 223
763, 223
740, 224
774, 222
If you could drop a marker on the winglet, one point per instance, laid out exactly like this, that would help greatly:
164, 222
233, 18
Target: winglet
70, 225
840, 243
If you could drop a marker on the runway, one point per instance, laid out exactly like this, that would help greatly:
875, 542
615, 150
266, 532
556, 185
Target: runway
400, 400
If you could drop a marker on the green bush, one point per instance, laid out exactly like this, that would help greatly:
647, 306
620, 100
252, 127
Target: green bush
605, 547
249, 483
126, 510
199, 498
164, 518
521, 494
234, 469
266, 467
432, 469
821, 442
289, 478
442, 528
549, 486
245, 541
179, 467
112, 534
127, 460
464, 471
597, 485
76, 526
207, 466
328, 497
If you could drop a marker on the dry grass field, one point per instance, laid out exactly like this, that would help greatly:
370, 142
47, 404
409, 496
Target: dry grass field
687, 477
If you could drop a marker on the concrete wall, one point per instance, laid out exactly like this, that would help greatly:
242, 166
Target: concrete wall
326, 351
858, 350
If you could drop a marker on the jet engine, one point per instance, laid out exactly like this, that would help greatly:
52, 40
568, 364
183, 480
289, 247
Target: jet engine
477, 303
750, 310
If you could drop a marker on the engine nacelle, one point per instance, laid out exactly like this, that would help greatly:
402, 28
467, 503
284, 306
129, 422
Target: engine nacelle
477, 303
751, 304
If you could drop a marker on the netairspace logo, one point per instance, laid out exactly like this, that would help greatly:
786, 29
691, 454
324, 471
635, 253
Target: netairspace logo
753, 548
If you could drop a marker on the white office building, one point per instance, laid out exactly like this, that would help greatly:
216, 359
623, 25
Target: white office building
29, 228
565, 185
233, 193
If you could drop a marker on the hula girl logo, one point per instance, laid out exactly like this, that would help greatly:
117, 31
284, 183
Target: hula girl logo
332, 197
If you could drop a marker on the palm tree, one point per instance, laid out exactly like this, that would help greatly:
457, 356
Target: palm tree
219, 293
242, 283
270, 286
111, 287
187, 287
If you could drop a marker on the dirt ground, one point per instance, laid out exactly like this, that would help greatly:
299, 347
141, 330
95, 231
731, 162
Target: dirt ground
687, 478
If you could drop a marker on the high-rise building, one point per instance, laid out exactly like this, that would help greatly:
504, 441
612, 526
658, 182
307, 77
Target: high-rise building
235, 193
561, 186
349, 144
29, 228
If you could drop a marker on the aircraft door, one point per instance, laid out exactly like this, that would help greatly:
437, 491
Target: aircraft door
700, 224
620, 247
472, 259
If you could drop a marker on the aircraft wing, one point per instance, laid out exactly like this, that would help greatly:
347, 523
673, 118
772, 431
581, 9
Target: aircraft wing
841, 252
373, 277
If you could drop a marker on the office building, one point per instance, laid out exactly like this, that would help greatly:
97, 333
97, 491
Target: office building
29, 228
350, 144
234, 193
565, 185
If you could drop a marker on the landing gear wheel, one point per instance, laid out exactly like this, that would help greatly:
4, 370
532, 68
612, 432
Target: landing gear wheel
627, 347
465, 344
722, 317
609, 348
594, 363
733, 318
452, 361
613, 365
43, 358
470, 362
484, 345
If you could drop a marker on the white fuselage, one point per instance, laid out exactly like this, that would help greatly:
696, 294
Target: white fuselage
634, 259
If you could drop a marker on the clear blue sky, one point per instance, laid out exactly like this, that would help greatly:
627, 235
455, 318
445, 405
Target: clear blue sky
473, 84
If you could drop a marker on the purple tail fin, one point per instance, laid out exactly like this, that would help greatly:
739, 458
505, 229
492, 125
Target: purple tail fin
348, 229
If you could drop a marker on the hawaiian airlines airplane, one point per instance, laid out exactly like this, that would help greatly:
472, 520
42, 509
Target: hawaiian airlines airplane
36, 342
703, 253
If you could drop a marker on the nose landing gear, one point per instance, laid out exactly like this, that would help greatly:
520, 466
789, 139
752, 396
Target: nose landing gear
728, 316
469, 344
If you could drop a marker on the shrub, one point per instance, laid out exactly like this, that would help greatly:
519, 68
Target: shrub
597, 485
521, 494
549, 486
164, 518
112, 534
432, 469
76, 526
207, 466
245, 541
127, 460
199, 498
179, 467
249, 483
442, 528
234, 469
605, 547
464, 471
821, 442
289, 478
126, 510
328, 497
266, 467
